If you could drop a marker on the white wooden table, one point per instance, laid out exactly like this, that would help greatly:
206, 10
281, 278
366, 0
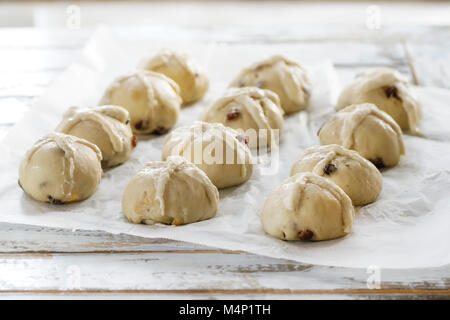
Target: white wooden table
40, 262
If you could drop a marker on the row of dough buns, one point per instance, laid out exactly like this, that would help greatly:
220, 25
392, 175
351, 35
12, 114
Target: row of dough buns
313, 204
219, 134
66, 165
169, 191
152, 97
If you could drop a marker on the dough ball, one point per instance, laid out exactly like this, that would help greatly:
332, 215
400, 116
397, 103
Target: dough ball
358, 177
61, 168
248, 108
108, 127
389, 91
172, 192
368, 130
307, 207
219, 151
151, 98
286, 78
179, 67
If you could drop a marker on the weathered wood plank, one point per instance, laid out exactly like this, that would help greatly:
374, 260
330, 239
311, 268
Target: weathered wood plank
22, 238
170, 296
232, 295
167, 272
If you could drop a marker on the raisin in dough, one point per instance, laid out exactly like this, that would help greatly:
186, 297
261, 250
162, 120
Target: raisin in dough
192, 81
358, 177
171, 192
219, 151
286, 78
248, 108
61, 168
107, 127
389, 91
151, 98
367, 130
307, 207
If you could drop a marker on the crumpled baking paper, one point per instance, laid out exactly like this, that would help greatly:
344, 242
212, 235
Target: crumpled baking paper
407, 227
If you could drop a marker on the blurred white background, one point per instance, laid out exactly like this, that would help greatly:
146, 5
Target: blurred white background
54, 14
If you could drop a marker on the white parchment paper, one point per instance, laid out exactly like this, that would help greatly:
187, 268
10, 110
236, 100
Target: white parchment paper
407, 227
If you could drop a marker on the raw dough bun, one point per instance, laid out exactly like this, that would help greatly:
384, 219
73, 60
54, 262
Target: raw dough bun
358, 177
248, 108
60, 168
192, 81
286, 78
209, 146
389, 91
107, 127
151, 98
307, 207
368, 130
172, 192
